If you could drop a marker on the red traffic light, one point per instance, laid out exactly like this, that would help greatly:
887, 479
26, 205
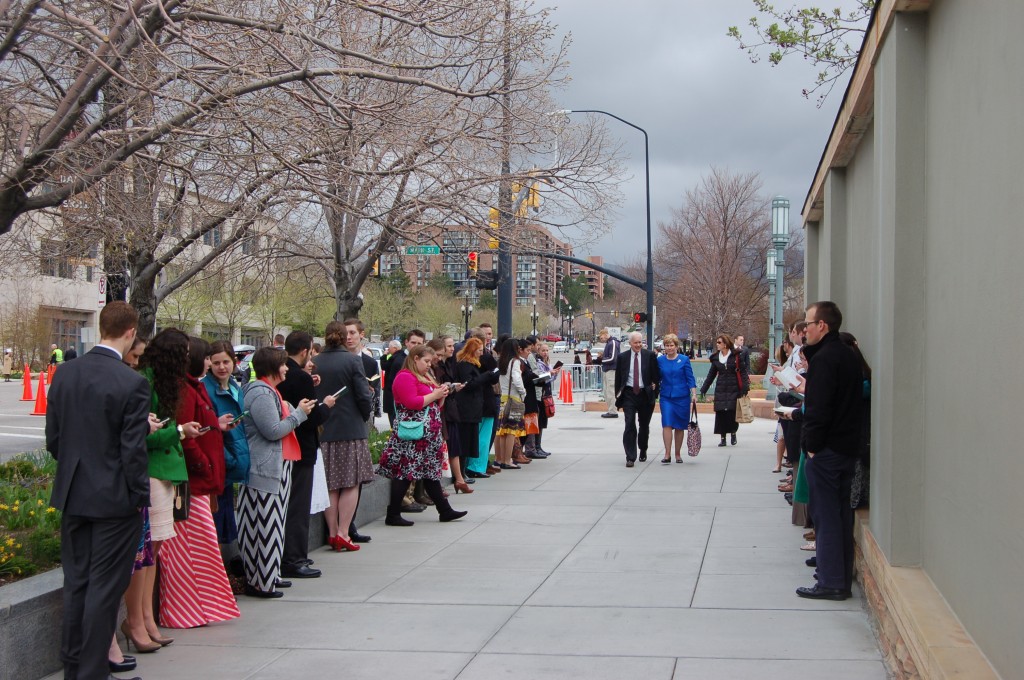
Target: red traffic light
472, 260
639, 317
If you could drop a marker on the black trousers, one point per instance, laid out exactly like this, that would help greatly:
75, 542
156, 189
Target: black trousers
97, 557
637, 409
296, 519
793, 431
829, 479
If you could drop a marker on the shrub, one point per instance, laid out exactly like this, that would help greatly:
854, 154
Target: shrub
29, 528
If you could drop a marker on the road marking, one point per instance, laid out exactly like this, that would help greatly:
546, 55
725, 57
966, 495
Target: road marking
20, 436
18, 427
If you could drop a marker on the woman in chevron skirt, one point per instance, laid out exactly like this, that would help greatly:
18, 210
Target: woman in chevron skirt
270, 432
194, 588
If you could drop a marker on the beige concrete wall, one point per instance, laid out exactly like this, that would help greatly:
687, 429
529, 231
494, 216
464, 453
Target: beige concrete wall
920, 242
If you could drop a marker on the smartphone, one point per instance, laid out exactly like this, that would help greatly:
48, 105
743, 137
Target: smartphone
373, 377
205, 429
558, 364
164, 422
338, 393
240, 416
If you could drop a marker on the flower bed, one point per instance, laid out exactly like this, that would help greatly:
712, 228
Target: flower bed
29, 527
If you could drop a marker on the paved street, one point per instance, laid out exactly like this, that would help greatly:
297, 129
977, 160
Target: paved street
19, 431
574, 567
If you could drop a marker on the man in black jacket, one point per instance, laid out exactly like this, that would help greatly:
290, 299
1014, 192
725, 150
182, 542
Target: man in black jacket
831, 438
96, 427
296, 386
637, 381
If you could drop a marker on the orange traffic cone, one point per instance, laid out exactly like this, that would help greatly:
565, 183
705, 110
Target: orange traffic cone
40, 409
567, 399
26, 381
50, 372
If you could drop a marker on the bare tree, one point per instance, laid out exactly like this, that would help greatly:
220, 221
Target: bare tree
713, 252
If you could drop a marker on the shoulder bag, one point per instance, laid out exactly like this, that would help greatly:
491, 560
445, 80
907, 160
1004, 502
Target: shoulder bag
409, 430
515, 408
693, 438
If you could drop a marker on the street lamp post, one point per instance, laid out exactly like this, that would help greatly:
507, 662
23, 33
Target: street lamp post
649, 280
467, 311
534, 316
780, 238
570, 324
770, 273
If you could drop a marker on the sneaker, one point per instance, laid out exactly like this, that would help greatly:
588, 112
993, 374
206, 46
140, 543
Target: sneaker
413, 507
609, 415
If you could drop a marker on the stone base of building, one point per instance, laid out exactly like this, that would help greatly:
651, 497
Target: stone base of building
919, 635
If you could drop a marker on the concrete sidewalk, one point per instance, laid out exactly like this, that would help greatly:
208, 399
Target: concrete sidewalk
573, 567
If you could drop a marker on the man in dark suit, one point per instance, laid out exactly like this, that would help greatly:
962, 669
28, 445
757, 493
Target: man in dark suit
97, 421
637, 379
296, 386
394, 364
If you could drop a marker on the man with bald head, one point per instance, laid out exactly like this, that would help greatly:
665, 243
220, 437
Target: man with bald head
637, 380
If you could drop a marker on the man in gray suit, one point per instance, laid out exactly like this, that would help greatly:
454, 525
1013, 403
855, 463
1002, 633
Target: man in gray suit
97, 421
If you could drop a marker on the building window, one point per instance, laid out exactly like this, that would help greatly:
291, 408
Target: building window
54, 260
212, 237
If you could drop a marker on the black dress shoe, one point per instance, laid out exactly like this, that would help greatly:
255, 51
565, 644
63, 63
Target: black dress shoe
818, 592
477, 475
283, 584
722, 443
734, 440
111, 677
609, 415
629, 463
643, 457
811, 561
265, 594
301, 571
413, 507
122, 667
357, 537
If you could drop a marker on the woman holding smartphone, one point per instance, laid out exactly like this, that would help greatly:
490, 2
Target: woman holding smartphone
272, 449
194, 588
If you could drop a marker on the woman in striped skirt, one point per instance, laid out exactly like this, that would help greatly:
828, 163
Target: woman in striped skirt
194, 588
270, 433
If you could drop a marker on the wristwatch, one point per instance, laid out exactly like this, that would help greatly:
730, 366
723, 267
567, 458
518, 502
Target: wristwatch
181, 433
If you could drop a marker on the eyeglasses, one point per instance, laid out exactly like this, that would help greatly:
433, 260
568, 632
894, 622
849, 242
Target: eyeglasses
719, 342
809, 322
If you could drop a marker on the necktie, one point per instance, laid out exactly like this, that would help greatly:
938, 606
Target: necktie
636, 373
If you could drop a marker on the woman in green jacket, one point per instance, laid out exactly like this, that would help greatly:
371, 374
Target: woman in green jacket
163, 364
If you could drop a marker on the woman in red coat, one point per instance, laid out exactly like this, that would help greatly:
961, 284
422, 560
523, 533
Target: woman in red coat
194, 588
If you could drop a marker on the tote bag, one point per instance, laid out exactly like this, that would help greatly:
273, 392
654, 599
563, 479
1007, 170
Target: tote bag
693, 433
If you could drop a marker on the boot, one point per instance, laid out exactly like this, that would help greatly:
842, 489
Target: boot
539, 451
420, 496
517, 454
530, 449
394, 513
445, 513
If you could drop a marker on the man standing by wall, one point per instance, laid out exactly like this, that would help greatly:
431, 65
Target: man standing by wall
608, 360
296, 386
831, 435
96, 427
637, 378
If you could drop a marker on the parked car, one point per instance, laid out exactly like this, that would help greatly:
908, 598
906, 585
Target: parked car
582, 345
560, 347
552, 338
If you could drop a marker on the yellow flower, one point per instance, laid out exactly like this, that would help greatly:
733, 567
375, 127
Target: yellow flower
3, 507
39, 502
10, 541
31, 513
50, 511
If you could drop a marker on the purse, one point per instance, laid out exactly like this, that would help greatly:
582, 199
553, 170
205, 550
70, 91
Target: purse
182, 501
412, 430
532, 423
693, 439
549, 406
515, 408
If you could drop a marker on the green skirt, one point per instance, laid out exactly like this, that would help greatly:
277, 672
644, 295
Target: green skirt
801, 494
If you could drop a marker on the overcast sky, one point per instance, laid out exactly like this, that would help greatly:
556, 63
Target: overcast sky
669, 67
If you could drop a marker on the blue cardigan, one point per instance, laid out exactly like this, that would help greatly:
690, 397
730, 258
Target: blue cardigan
236, 448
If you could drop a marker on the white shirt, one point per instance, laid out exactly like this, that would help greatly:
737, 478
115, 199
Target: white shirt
636, 357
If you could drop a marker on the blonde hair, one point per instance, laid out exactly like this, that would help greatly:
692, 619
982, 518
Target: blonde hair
670, 338
410, 364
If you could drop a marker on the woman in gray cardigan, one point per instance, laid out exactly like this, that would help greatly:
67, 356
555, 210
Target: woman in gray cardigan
272, 448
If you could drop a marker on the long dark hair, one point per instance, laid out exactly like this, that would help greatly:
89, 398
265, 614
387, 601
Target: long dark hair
509, 353
198, 350
167, 356
851, 342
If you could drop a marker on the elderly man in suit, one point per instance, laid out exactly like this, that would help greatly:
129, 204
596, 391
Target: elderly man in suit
637, 379
97, 421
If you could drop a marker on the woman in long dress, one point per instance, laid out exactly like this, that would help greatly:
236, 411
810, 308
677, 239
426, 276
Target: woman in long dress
194, 588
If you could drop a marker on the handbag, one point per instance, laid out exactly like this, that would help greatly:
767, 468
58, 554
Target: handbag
744, 409
515, 408
412, 430
532, 422
182, 501
693, 438
549, 405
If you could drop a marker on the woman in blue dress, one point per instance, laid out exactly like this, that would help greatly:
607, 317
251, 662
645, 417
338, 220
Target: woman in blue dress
678, 391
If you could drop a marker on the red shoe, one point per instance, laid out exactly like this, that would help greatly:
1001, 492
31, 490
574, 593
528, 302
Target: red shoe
341, 544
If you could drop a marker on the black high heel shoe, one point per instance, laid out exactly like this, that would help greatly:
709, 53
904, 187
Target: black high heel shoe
128, 664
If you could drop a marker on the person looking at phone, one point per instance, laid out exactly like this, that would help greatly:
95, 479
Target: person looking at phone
273, 448
344, 440
296, 386
194, 588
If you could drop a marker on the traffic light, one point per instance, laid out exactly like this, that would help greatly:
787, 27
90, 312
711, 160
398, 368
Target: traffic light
487, 280
639, 317
472, 262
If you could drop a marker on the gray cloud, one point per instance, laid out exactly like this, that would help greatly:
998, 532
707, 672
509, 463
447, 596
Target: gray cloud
669, 67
